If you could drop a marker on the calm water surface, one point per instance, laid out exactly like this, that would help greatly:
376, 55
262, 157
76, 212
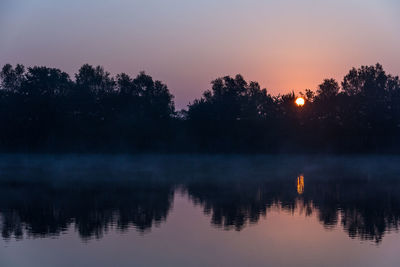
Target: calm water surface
191, 210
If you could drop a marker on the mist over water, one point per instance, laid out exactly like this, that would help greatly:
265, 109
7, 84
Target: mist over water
264, 204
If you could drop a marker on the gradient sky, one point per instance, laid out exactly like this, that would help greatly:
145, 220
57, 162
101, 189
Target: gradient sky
285, 45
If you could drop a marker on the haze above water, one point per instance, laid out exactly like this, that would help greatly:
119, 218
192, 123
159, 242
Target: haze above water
186, 210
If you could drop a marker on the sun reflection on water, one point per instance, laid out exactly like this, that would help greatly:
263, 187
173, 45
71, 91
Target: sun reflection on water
300, 184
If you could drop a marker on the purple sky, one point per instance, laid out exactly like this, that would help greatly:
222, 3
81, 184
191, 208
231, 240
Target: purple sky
285, 45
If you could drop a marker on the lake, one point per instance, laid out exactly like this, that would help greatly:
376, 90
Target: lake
199, 210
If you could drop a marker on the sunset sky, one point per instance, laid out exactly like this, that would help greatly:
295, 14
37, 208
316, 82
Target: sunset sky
285, 45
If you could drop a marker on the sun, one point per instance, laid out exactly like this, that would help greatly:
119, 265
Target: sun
300, 101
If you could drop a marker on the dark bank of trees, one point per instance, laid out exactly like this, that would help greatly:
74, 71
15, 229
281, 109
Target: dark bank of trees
44, 109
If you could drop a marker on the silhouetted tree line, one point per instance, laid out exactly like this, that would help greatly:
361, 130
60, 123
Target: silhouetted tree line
44, 109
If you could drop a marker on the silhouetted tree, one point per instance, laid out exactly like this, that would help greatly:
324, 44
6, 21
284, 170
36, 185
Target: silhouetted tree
328, 89
94, 79
12, 78
224, 116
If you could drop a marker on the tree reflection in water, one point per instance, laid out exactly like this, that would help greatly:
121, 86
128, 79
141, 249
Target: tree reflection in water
37, 200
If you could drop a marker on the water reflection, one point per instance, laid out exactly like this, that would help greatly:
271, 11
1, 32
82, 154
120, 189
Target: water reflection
41, 209
300, 184
45, 197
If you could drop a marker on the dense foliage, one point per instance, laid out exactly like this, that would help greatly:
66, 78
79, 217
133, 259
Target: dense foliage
43, 109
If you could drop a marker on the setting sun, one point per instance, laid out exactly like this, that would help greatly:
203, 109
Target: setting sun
300, 101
